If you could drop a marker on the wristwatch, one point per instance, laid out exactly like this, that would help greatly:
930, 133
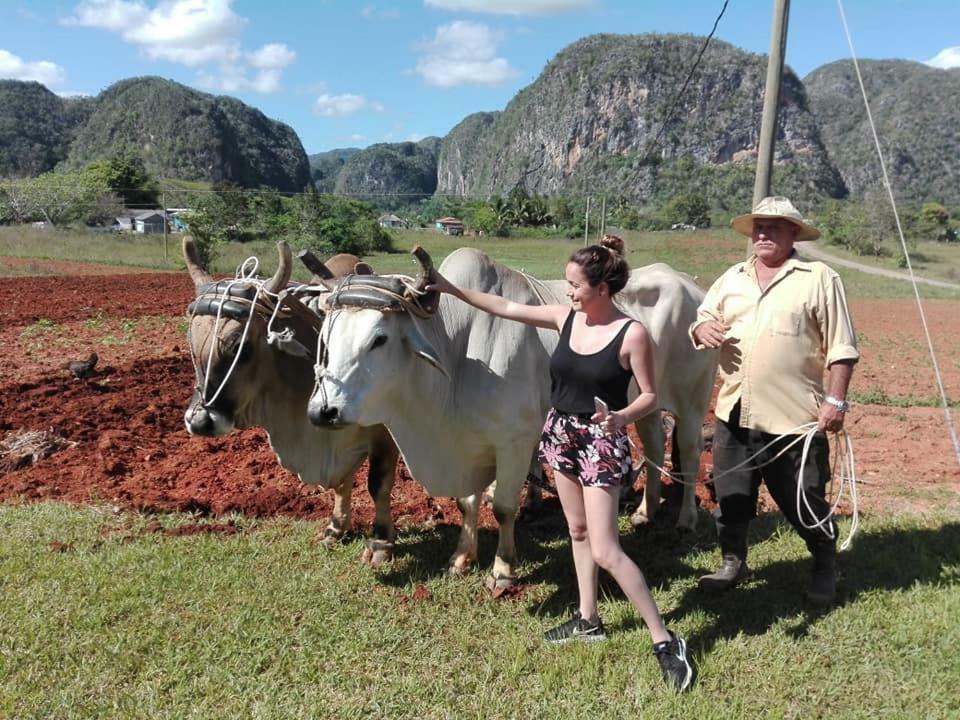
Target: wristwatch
841, 405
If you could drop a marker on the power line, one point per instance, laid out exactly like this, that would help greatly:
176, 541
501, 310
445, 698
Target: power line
676, 98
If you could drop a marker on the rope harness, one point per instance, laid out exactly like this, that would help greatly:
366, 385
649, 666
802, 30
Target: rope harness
240, 299
384, 293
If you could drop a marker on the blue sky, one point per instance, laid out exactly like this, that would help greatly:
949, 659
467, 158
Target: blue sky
349, 74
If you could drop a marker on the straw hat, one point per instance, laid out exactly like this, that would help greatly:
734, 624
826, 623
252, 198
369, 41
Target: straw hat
772, 208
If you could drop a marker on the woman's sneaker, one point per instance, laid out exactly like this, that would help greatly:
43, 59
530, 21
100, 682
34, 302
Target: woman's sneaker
674, 662
576, 628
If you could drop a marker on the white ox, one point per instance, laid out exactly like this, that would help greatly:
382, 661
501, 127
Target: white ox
464, 393
269, 387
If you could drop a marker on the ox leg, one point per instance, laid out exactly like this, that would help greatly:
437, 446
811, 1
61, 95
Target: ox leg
688, 436
340, 520
466, 553
383, 472
650, 430
533, 500
513, 463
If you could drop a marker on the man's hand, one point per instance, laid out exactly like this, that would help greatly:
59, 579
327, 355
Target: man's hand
710, 333
830, 419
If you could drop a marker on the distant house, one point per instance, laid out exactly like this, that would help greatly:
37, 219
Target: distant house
450, 225
125, 222
390, 221
149, 222
175, 217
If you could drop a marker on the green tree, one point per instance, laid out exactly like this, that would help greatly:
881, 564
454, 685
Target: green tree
933, 223
331, 224
687, 208
126, 175
56, 197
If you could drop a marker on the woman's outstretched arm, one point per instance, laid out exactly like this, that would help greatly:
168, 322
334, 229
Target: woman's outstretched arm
551, 317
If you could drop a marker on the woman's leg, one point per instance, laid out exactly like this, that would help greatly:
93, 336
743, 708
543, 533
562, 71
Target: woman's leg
571, 500
600, 513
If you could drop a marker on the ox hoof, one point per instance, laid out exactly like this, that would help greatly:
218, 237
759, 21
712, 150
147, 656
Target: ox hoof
377, 552
499, 585
330, 537
459, 568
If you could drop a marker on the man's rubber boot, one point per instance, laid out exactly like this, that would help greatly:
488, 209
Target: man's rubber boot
732, 571
823, 583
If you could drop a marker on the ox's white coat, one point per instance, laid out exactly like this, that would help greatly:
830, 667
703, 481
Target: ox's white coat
463, 393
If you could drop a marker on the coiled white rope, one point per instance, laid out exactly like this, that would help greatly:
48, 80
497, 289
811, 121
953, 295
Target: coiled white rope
844, 467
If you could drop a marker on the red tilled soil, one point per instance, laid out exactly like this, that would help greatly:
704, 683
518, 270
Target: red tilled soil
132, 451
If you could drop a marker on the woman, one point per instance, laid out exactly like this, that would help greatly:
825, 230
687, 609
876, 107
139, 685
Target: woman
584, 439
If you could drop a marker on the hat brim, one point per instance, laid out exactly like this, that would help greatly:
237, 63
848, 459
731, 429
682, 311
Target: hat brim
743, 224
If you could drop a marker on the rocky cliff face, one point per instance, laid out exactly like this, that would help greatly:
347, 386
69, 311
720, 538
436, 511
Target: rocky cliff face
192, 135
180, 133
398, 171
36, 127
325, 166
591, 118
915, 109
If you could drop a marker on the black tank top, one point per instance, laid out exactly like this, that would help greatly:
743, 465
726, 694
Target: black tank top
575, 379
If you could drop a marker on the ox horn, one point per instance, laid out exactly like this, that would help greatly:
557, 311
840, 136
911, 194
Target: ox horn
426, 275
282, 276
199, 276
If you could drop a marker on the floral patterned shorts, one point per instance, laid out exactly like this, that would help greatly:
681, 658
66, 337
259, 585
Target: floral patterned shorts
575, 446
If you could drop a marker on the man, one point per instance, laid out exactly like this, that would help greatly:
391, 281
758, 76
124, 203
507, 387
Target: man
779, 322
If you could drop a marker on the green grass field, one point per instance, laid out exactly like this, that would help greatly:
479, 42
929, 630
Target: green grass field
268, 624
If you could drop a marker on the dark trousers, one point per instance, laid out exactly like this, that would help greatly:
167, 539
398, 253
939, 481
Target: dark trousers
737, 492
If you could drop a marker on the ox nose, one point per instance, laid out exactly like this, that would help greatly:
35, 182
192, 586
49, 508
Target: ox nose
324, 415
198, 421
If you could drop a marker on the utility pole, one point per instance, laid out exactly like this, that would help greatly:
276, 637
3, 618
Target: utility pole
603, 219
771, 102
164, 201
586, 224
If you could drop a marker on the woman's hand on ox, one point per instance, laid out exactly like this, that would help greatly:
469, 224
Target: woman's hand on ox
442, 285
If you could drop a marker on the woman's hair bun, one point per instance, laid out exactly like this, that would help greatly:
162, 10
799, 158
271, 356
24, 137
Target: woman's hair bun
612, 243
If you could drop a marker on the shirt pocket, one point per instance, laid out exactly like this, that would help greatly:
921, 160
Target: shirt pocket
785, 324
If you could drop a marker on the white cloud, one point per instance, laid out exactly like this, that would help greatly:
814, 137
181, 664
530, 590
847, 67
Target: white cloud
194, 33
370, 12
946, 58
345, 104
13, 67
113, 15
463, 53
272, 56
512, 7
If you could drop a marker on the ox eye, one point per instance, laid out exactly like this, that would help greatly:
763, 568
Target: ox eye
378, 341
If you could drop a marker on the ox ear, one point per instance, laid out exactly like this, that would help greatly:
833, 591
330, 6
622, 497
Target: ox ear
422, 347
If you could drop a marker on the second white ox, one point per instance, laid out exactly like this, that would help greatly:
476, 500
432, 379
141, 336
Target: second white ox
464, 393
